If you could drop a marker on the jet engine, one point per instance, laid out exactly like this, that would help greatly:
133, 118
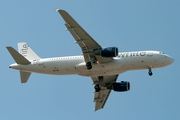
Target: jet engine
121, 86
109, 52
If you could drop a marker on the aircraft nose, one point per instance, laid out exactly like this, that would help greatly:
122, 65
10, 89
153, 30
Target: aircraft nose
171, 60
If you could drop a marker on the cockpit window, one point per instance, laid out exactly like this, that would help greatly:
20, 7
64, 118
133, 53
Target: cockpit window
161, 53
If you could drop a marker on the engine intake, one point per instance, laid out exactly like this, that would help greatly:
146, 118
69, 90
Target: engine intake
121, 86
109, 52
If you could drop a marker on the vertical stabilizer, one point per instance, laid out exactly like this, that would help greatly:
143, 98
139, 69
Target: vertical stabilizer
24, 76
26, 51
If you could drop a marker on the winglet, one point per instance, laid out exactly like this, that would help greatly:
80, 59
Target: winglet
95, 109
57, 9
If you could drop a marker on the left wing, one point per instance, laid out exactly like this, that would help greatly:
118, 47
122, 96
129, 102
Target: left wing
101, 97
88, 45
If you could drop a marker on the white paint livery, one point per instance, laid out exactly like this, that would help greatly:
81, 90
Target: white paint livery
76, 65
107, 68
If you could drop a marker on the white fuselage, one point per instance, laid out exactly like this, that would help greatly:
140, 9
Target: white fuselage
125, 61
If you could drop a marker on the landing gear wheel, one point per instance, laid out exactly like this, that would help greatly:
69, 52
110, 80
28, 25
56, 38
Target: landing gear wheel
97, 88
89, 66
100, 80
150, 73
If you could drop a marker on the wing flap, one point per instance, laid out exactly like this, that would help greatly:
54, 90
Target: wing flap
76, 37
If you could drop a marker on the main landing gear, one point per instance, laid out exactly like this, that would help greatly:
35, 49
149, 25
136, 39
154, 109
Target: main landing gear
96, 87
89, 66
150, 71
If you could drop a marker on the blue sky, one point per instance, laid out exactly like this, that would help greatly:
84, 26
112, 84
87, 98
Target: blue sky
129, 25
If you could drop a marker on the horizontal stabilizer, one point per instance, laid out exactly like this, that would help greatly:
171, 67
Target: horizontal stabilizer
24, 76
17, 56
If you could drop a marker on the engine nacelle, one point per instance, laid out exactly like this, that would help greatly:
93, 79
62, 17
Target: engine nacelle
109, 52
121, 86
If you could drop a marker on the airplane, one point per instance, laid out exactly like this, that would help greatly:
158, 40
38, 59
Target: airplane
102, 64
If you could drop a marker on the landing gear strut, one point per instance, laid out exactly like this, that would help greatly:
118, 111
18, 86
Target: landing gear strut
96, 87
150, 71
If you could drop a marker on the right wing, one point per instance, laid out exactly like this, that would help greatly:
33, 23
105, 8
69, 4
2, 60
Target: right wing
101, 97
85, 41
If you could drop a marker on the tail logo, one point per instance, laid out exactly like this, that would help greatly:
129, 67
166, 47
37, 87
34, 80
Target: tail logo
24, 50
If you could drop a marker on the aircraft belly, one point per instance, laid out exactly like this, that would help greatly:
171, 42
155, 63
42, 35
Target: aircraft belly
140, 63
52, 67
63, 67
110, 68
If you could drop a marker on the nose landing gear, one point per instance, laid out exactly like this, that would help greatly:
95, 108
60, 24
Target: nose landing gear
150, 71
